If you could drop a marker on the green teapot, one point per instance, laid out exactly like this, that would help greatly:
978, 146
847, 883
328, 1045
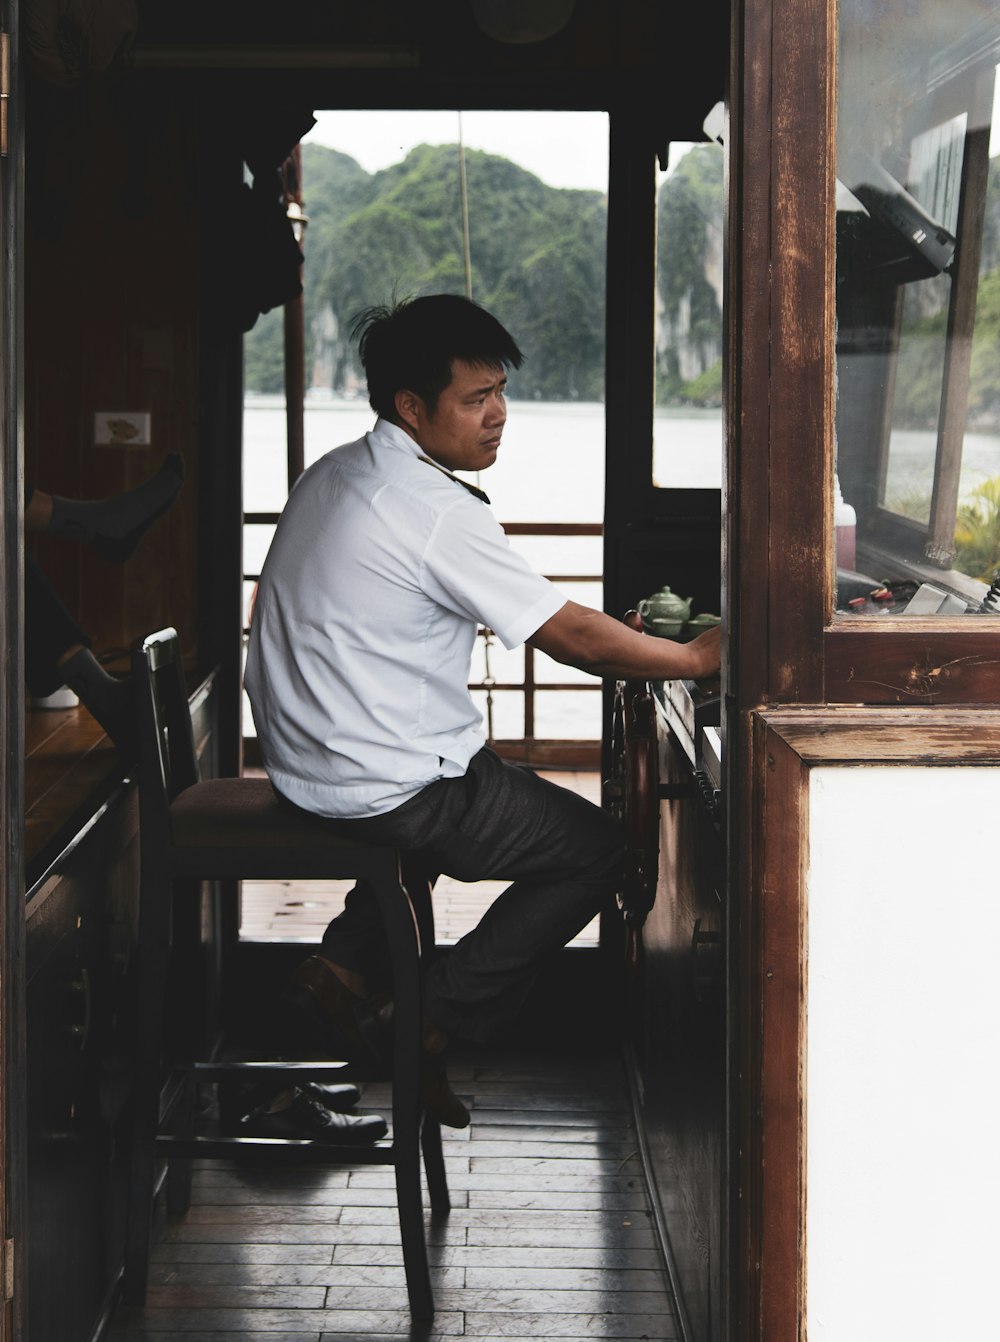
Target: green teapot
665, 608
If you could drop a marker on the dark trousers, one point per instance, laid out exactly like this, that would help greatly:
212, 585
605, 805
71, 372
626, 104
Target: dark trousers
498, 822
49, 631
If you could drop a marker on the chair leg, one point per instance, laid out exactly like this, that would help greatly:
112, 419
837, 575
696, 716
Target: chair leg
180, 1169
420, 894
403, 951
139, 1216
406, 1149
151, 976
437, 1182
409, 1195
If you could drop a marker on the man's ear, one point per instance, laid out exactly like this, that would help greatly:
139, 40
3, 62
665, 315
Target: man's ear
410, 410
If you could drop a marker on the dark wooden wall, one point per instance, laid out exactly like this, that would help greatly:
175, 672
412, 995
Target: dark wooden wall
112, 291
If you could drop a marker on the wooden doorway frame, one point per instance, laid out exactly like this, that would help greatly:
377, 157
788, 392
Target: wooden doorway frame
12, 1013
771, 923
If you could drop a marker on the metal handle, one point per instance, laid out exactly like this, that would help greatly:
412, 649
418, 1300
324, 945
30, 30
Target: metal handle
81, 985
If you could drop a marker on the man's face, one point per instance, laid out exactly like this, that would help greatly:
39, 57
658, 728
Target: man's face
463, 433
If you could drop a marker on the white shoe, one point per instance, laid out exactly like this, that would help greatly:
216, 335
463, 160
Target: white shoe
61, 698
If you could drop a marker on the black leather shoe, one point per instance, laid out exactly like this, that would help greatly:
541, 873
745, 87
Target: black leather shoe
307, 1119
337, 1098
344, 1020
436, 1094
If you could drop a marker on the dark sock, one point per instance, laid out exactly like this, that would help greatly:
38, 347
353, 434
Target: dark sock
105, 697
113, 527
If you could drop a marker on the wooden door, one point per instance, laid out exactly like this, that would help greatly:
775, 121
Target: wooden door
12, 696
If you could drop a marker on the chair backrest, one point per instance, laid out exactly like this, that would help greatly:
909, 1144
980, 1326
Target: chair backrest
167, 760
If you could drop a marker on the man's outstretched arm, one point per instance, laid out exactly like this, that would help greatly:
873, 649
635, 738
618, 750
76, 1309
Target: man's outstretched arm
592, 641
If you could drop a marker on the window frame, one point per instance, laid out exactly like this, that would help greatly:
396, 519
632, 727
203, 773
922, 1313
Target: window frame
783, 638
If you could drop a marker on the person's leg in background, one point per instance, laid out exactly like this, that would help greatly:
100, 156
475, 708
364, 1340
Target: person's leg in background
57, 650
111, 527
57, 653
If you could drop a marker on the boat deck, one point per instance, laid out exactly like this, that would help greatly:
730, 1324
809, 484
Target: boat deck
550, 1233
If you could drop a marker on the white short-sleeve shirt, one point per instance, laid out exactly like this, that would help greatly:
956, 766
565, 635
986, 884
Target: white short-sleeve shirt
381, 569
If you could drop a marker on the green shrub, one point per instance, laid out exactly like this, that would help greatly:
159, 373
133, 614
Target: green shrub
977, 532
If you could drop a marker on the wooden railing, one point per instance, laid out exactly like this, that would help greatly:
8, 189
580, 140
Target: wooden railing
529, 749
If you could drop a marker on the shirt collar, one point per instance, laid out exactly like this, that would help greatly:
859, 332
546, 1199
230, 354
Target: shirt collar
393, 435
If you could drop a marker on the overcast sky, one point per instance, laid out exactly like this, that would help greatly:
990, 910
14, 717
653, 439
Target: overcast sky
562, 148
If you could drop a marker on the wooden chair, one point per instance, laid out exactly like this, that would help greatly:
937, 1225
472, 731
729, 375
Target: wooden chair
232, 829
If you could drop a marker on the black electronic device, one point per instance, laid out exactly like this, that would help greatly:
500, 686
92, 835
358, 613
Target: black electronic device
929, 248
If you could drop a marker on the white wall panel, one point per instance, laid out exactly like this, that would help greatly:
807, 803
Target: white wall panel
903, 1060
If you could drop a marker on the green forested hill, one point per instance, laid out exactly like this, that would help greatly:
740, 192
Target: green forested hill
537, 262
689, 250
917, 401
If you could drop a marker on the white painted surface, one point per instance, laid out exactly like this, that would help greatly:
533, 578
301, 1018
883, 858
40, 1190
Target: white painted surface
903, 1032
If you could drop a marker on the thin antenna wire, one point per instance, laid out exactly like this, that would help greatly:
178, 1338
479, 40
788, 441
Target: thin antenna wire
487, 634
465, 210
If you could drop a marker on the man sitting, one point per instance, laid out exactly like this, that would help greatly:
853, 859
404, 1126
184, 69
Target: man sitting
383, 566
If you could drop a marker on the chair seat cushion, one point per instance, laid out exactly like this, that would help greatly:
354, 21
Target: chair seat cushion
245, 811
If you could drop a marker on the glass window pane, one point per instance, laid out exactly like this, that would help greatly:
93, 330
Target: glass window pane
935, 176
249, 595
917, 483
256, 543
265, 456
567, 717
549, 672
502, 666
506, 715
687, 413
561, 555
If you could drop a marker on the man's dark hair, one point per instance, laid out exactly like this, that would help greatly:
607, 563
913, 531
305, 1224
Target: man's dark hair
409, 345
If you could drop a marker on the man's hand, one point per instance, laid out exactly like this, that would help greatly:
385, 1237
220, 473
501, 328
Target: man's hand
708, 646
592, 641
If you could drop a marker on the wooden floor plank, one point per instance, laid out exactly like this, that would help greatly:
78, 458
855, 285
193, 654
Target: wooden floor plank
576, 1326
512, 1257
248, 1323
242, 1296
317, 1254
550, 1235
218, 1212
582, 1178
139, 1334
549, 1277
581, 1221
297, 1274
